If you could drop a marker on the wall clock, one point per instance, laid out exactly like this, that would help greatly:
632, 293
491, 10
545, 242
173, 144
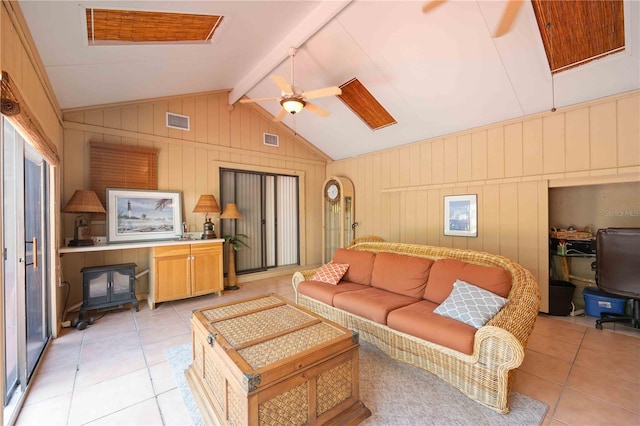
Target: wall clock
332, 191
337, 215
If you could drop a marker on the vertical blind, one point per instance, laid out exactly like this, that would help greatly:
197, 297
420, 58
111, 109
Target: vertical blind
287, 212
270, 220
248, 198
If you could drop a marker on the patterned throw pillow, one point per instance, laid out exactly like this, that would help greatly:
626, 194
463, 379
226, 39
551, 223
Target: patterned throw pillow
330, 273
470, 304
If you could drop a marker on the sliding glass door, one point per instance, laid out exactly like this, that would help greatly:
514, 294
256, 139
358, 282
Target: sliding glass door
269, 205
25, 290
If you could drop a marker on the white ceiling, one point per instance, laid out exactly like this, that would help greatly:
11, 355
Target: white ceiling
436, 73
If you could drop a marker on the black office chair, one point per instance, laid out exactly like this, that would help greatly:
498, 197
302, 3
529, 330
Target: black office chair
618, 270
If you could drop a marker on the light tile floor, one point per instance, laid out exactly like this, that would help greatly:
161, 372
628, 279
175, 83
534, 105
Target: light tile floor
115, 372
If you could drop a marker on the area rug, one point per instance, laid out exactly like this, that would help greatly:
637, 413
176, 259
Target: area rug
398, 394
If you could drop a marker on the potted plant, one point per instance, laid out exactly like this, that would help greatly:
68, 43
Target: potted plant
235, 244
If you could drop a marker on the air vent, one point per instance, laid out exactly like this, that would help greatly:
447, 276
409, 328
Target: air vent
177, 121
270, 139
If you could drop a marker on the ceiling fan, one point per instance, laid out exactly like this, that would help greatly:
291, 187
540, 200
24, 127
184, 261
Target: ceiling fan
292, 98
508, 16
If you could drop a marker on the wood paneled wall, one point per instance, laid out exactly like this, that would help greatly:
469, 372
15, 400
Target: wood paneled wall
189, 161
20, 59
399, 192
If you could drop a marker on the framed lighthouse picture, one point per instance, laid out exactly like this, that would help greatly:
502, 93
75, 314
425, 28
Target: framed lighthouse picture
140, 215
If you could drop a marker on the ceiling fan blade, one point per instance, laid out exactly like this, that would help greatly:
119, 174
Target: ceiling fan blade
319, 93
508, 17
280, 115
430, 5
316, 109
248, 100
281, 83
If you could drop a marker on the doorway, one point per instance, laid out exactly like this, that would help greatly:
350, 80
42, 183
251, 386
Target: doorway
595, 205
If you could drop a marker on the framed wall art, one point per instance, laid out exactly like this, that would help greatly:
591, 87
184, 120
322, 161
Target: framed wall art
461, 215
142, 215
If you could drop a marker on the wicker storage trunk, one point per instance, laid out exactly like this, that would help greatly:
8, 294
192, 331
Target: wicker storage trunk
266, 361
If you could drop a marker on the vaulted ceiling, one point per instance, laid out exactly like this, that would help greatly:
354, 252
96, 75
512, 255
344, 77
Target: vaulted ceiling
435, 73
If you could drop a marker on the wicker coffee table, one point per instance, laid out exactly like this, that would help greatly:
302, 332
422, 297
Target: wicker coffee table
267, 361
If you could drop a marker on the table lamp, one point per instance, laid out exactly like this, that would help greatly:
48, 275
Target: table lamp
207, 204
231, 212
83, 202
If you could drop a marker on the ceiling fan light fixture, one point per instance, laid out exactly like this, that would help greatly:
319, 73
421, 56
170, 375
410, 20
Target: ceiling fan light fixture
292, 106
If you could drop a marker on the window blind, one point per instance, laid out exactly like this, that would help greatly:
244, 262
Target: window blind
122, 166
16, 109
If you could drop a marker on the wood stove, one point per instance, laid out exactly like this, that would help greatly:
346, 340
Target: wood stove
106, 286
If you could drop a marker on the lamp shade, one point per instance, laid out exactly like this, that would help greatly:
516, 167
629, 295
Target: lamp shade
231, 212
206, 204
293, 105
84, 201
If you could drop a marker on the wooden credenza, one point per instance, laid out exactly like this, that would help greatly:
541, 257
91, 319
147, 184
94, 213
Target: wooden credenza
182, 271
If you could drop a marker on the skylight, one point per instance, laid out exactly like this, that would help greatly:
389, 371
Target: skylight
105, 26
363, 104
577, 32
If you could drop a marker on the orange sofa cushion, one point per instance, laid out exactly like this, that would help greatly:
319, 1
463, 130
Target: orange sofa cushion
371, 303
445, 272
324, 292
360, 264
402, 274
419, 320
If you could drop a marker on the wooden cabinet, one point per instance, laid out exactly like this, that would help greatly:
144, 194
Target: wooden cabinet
184, 270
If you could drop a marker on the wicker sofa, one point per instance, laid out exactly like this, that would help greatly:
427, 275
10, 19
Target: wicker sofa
497, 348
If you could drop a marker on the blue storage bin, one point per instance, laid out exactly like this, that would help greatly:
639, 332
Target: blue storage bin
597, 302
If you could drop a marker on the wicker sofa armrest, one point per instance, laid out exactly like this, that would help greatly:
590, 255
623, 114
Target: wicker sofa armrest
300, 276
495, 347
520, 312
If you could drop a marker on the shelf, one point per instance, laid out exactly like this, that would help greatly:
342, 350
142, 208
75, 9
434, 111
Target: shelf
136, 245
572, 254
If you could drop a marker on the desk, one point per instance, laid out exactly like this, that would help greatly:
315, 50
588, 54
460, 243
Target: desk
136, 245
178, 269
